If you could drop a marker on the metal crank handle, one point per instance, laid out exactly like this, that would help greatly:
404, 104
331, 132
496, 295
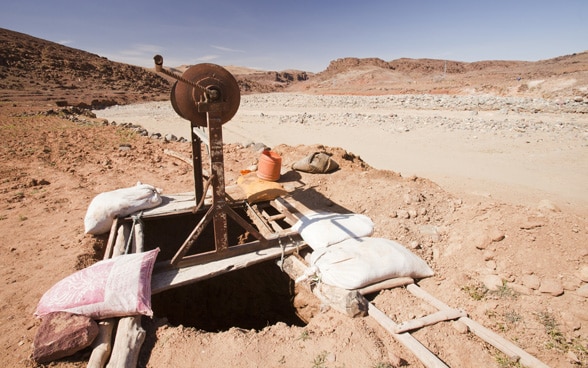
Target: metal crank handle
159, 68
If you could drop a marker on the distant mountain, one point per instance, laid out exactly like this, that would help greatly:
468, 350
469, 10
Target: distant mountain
564, 76
32, 69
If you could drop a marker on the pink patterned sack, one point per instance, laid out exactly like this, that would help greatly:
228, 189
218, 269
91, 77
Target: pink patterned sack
115, 287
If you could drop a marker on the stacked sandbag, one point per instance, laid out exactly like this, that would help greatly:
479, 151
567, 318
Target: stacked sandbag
346, 256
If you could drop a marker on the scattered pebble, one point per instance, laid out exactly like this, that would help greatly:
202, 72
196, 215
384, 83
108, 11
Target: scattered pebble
552, 287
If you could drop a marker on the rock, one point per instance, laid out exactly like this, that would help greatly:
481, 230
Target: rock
496, 235
62, 334
547, 206
572, 357
492, 282
583, 291
170, 138
488, 255
531, 281
583, 274
480, 240
460, 327
552, 287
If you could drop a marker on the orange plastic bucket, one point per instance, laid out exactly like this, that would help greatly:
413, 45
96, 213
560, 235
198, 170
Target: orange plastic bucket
269, 166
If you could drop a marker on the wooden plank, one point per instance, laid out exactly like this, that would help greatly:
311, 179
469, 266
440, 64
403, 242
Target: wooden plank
167, 279
186, 202
111, 239
507, 347
102, 345
386, 284
129, 334
428, 359
297, 209
431, 319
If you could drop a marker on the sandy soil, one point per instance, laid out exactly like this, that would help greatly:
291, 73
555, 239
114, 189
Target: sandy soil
494, 153
54, 162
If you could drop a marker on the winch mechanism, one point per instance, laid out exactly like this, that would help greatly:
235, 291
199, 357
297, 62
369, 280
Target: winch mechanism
208, 96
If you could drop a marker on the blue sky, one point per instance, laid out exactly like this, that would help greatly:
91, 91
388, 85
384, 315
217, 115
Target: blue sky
305, 35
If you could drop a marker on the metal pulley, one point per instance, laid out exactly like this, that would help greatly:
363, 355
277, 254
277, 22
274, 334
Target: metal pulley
203, 88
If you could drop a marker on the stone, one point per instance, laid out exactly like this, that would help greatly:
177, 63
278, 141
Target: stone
488, 255
496, 235
492, 282
583, 291
460, 327
62, 334
552, 287
583, 274
531, 281
547, 206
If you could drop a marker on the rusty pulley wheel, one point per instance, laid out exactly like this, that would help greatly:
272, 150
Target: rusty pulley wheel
210, 83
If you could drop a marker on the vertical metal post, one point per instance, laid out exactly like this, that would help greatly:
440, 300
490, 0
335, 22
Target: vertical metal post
215, 136
197, 163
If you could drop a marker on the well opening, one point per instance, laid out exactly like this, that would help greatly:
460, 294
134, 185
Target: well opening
169, 233
251, 298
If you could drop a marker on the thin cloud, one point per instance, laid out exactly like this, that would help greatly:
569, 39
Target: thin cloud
142, 49
227, 49
65, 42
208, 57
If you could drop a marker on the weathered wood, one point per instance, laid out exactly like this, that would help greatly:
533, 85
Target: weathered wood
186, 202
111, 239
349, 302
179, 156
170, 278
127, 343
431, 319
508, 348
296, 208
102, 345
428, 359
386, 284
129, 333
102, 348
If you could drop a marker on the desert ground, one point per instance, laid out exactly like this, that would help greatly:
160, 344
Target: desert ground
484, 181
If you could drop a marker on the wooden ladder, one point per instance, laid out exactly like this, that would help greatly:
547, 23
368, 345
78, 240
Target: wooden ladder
354, 304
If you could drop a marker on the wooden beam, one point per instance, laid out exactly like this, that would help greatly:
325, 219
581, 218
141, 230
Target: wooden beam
431, 319
170, 278
508, 348
129, 333
386, 284
428, 359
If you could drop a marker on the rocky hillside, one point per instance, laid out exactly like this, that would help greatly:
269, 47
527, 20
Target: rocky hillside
31, 68
564, 76
36, 69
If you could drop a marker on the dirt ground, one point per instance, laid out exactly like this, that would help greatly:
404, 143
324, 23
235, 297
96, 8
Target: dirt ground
54, 160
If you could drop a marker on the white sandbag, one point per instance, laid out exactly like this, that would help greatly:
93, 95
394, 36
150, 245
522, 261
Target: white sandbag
120, 202
321, 229
358, 262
